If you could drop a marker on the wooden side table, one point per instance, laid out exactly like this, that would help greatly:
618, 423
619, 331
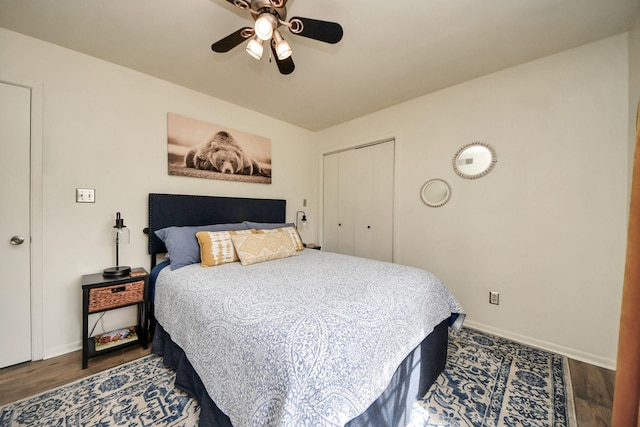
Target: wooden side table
100, 294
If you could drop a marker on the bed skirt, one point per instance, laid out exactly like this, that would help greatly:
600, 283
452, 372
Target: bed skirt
411, 380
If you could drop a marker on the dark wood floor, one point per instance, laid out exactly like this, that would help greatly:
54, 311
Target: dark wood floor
593, 393
27, 379
592, 386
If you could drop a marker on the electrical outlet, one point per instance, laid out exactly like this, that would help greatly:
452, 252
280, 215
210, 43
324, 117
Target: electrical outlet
494, 297
85, 195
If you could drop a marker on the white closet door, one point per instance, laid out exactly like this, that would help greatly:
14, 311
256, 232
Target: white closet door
330, 203
358, 201
363, 197
381, 232
373, 237
347, 187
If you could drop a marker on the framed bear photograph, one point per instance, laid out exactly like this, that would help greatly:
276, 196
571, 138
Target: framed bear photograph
205, 150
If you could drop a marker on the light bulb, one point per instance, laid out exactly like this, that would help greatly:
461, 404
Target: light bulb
254, 48
283, 50
265, 25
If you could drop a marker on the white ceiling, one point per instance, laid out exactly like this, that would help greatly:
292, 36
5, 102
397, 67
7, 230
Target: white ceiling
391, 51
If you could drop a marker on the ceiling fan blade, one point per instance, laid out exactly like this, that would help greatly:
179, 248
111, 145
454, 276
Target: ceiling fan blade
286, 66
325, 31
232, 40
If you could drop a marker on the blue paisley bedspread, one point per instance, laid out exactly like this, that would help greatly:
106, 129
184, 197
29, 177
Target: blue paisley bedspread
310, 340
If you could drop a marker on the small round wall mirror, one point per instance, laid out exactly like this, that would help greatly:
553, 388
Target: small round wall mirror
474, 160
435, 192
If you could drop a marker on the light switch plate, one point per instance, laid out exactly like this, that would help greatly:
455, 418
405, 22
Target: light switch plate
85, 195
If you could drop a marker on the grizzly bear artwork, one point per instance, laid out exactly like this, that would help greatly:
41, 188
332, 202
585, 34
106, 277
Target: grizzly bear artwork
200, 149
222, 154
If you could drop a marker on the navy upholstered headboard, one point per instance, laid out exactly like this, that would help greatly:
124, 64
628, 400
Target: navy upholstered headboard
180, 210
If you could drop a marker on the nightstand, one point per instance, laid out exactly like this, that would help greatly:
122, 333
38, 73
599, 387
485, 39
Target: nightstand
100, 294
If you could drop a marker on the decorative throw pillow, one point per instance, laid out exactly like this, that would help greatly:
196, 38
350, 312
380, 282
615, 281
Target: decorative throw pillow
217, 248
253, 248
182, 245
293, 232
267, 225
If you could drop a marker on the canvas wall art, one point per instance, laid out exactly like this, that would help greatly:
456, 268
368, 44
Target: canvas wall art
205, 150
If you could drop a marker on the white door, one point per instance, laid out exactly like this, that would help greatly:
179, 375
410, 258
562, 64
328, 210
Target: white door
381, 233
330, 204
358, 201
15, 291
347, 186
373, 234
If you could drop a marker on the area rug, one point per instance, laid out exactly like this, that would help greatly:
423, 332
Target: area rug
488, 381
139, 393
491, 381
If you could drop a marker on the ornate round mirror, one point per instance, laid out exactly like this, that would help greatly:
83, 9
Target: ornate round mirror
435, 192
474, 160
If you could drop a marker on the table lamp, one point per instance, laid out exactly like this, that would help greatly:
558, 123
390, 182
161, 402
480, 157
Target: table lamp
121, 236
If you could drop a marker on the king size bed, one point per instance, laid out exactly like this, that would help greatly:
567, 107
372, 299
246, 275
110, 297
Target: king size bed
263, 332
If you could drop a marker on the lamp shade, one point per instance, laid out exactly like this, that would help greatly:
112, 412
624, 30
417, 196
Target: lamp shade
121, 235
283, 49
264, 26
303, 219
254, 48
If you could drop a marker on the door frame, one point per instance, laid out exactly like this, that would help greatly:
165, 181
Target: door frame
35, 213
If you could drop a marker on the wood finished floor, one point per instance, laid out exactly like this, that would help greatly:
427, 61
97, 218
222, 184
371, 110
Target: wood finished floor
592, 385
27, 379
592, 393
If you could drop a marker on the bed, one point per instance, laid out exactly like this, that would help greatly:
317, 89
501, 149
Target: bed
307, 339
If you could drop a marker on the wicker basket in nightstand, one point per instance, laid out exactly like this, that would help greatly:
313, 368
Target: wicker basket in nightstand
114, 296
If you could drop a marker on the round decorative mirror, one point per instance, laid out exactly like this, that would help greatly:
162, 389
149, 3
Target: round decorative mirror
435, 192
474, 160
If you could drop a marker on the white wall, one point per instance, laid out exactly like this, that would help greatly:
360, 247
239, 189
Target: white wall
104, 127
634, 85
547, 227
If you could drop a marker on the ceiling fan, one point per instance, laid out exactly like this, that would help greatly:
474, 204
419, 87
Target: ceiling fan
268, 16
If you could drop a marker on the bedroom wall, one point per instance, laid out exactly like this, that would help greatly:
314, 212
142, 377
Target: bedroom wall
104, 127
634, 85
547, 227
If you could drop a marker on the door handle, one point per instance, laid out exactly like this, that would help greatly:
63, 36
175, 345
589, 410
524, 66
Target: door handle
17, 240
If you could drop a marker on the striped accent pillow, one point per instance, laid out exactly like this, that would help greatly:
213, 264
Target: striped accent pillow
293, 232
217, 248
259, 247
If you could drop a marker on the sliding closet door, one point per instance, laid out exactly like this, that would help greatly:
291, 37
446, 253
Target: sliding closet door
348, 186
330, 203
358, 201
373, 235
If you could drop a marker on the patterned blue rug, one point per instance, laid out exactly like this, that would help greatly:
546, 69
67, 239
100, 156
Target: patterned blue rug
488, 381
139, 393
491, 381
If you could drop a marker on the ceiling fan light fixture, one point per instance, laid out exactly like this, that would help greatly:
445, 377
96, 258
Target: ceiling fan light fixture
283, 49
254, 48
267, 17
265, 25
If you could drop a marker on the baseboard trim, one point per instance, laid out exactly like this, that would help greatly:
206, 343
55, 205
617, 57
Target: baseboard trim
62, 349
571, 353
